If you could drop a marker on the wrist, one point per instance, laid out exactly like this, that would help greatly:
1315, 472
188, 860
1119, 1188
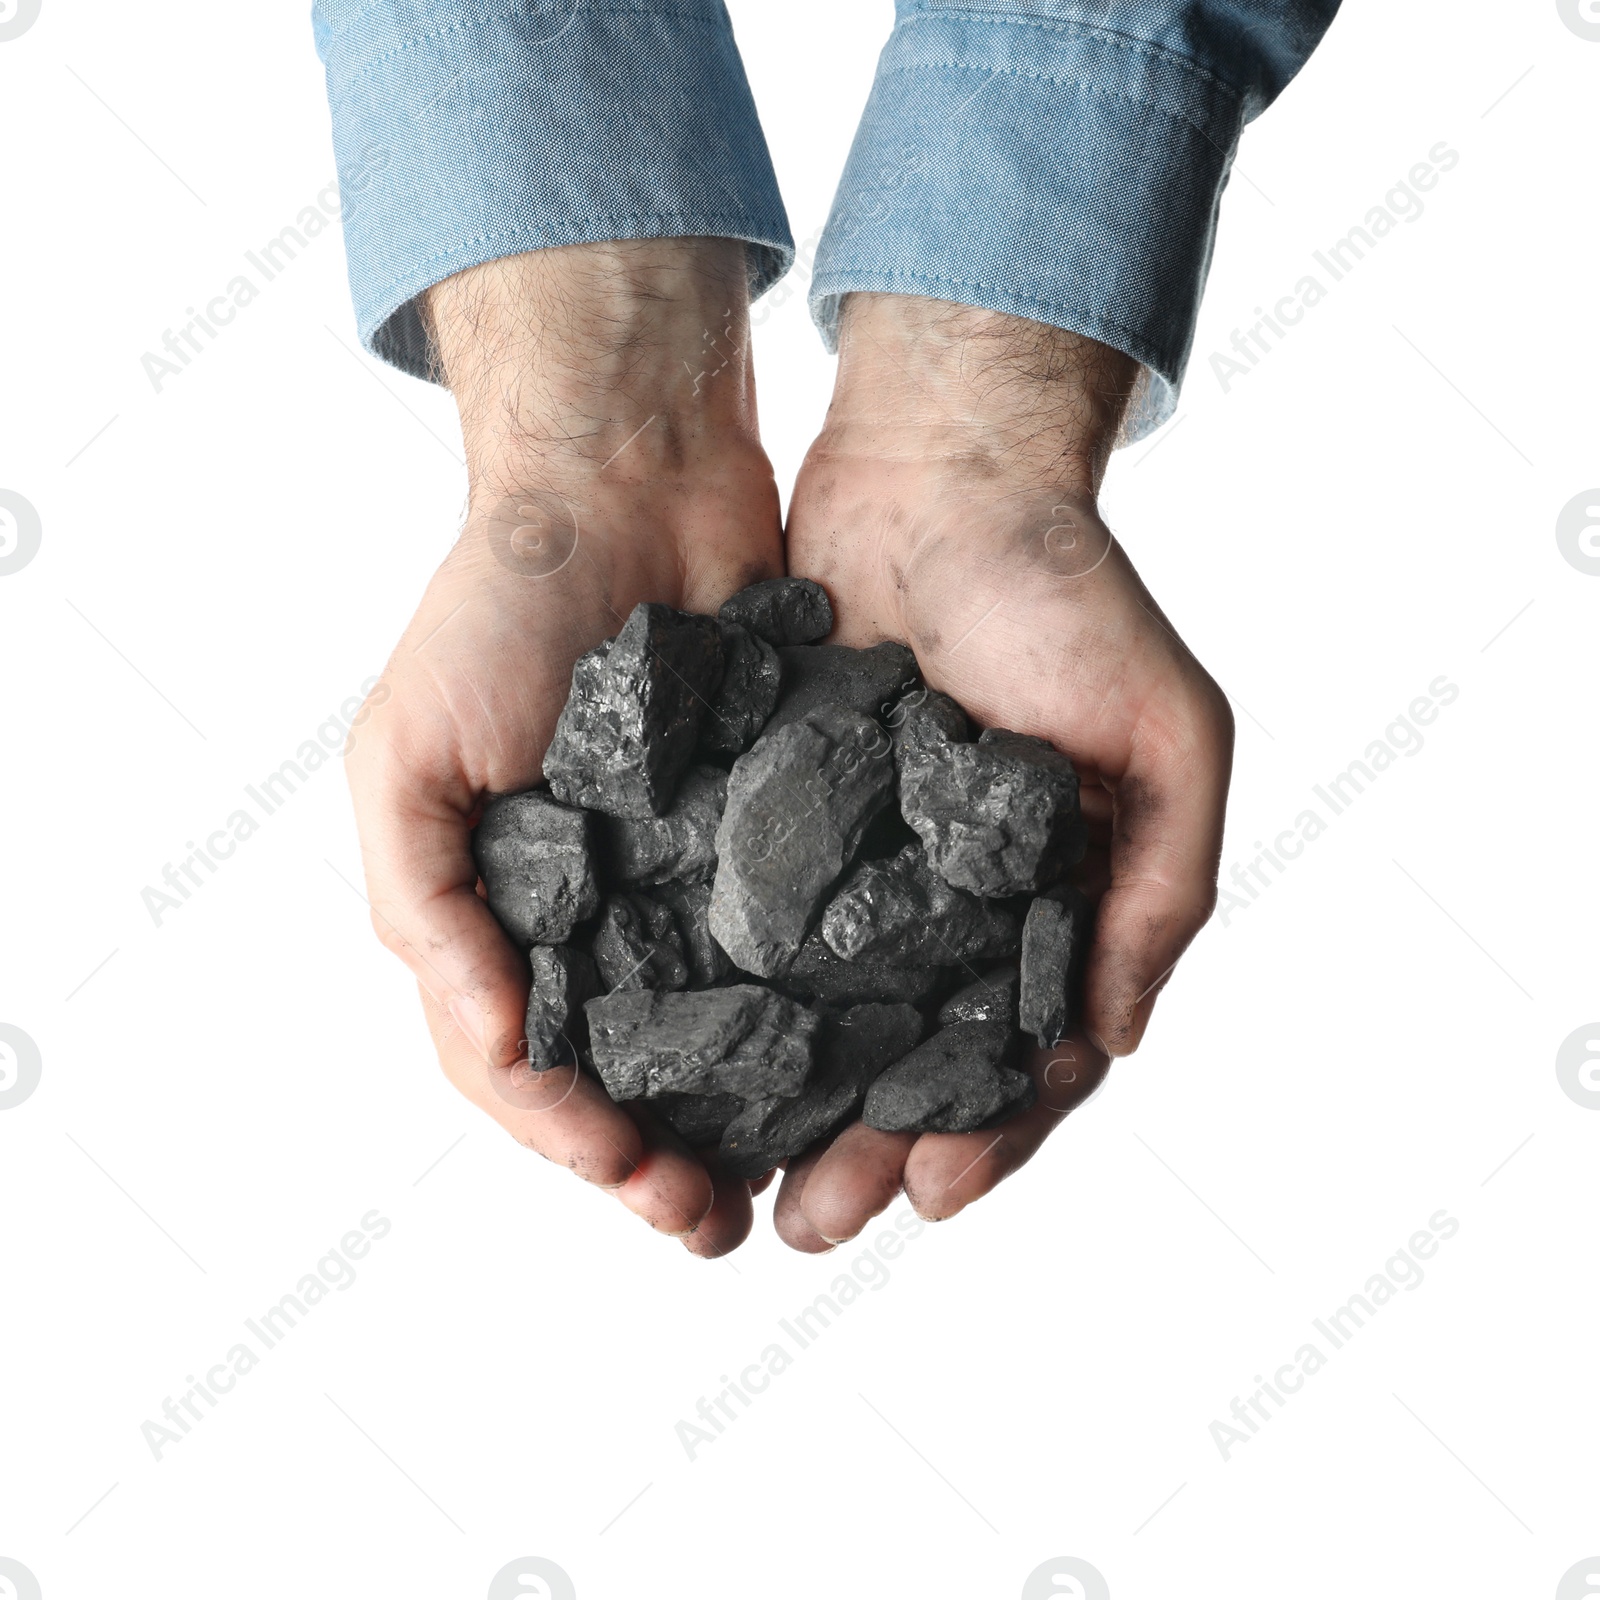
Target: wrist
920, 377
630, 357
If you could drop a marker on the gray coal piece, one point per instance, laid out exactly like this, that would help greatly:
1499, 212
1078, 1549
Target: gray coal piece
557, 1029
743, 1039
869, 681
1055, 945
751, 677
535, 860
697, 1119
818, 974
638, 946
852, 1050
999, 817
691, 907
797, 804
923, 721
903, 912
991, 998
680, 844
955, 1082
630, 724
781, 610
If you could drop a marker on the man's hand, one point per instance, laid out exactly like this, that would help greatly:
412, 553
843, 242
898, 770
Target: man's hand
950, 503
608, 411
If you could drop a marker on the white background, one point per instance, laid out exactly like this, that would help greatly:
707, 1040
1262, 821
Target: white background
1372, 1041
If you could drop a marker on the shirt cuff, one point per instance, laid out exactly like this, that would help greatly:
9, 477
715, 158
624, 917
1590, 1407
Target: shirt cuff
468, 130
1042, 168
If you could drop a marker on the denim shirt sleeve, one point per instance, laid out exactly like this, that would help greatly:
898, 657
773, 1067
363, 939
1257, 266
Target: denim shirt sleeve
467, 130
1062, 160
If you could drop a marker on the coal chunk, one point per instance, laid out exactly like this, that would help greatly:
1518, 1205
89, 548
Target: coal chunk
903, 912
818, 974
1055, 944
991, 998
798, 802
535, 861
638, 946
869, 681
557, 1029
852, 1050
955, 1082
631, 721
924, 720
781, 610
998, 817
681, 843
742, 1039
691, 908
751, 677
697, 1118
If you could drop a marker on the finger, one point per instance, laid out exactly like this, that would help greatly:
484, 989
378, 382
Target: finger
561, 1114
1165, 846
788, 1220
669, 1186
946, 1172
856, 1178
727, 1224
758, 1184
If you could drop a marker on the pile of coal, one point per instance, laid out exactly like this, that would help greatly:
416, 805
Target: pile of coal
770, 885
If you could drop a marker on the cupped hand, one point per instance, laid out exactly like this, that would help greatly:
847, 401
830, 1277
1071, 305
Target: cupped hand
608, 413
950, 503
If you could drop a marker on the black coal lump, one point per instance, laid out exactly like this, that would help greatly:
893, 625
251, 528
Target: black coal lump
557, 1029
781, 610
798, 802
691, 907
991, 998
955, 1082
998, 817
697, 1118
903, 912
852, 1049
638, 946
751, 676
869, 681
630, 724
1055, 943
535, 861
741, 1039
923, 720
681, 843
818, 974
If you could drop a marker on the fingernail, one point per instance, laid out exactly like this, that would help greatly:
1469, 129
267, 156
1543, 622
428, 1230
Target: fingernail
467, 1018
1095, 1039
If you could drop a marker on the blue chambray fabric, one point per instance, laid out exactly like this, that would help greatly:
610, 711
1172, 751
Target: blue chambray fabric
1063, 161
466, 130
